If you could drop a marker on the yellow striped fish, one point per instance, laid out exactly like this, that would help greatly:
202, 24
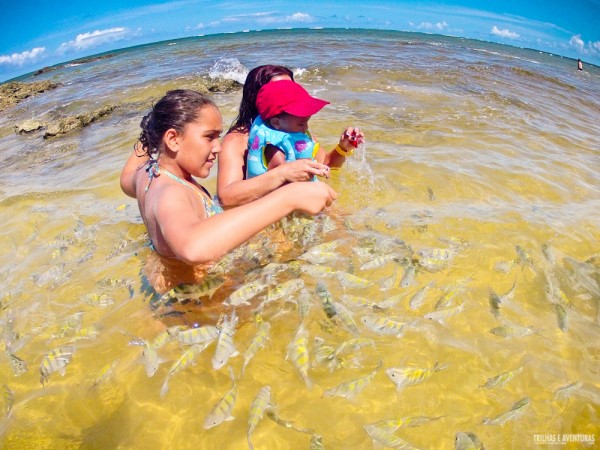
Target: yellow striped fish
207, 333
383, 325
151, 361
223, 408
405, 376
242, 295
258, 341
352, 281
297, 352
501, 379
225, 345
385, 438
350, 389
345, 317
185, 360
259, 406
56, 361
411, 421
515, 412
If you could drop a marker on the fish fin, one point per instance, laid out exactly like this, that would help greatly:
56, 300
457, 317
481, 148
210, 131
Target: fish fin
165, 388
228, 418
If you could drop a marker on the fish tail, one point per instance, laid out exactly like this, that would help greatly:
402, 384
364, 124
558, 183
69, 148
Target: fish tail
165, 388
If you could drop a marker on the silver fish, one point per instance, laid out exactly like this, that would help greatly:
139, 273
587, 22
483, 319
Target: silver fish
223, 408
409, 276
385, 438
297, 352
187, 359
246, 292
406, 376
225, 345
442, 314
258, 341
495, 300
326, 300
259, 406
207, 333
501, 379
352, 281
350, 389
56, 361
515, 412
285, 289
345, 317
510, 330
383, 325
151, 360
9, 399
467, 441
564, 392
418, 297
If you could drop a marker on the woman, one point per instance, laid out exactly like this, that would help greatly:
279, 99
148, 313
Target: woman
232, 187
181, 137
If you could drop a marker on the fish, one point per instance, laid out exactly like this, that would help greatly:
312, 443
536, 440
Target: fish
390, 302
549, 253
350, 389
409, 276
258, 341
225, 345
206, 288
442, 314
151, 360
524, 258
297, 352
564, 392
319, 257
385, 438
105, 373
467, 441
389, 282
406, 376
515, 412
495, 300
199, 335
18, 366
285, 289
345, 317
354, 301
56, 361
259, 406
379, 261
316, 442
272, 414
352, 281
303, 300
561, 317
9, 399
326, 300
243, 294
221, 412
511, 330
318, 271
383, 325
418, 297
501, 379
187, 359
410, 421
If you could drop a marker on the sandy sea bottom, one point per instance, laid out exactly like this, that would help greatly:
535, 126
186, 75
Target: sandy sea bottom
469, 217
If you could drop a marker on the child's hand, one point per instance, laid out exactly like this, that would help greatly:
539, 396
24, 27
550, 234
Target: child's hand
303, 170
350, 139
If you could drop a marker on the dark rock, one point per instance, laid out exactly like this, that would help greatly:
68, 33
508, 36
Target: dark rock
16, 91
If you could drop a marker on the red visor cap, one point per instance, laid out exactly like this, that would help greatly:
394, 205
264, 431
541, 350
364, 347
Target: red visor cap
286, 96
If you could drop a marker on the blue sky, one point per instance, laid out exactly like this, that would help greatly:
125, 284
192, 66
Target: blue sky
39, 33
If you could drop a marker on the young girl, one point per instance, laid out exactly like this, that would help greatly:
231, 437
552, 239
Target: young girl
181, 136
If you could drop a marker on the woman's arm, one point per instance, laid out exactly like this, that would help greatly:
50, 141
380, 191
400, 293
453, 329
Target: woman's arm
196, 239
234, 190
129, 171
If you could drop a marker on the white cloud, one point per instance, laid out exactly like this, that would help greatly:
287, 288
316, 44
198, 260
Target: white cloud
29, 56
439, 26
577, 42
595, 45
300, 17
504, 33
94, 39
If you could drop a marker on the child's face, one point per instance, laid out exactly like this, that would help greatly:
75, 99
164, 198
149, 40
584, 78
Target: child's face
199, 143
290, 124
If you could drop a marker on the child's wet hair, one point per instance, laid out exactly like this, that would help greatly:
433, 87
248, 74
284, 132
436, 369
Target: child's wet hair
175, 110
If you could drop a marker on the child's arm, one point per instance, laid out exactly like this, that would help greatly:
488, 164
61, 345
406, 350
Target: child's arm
274, 156
336, 158
196, 239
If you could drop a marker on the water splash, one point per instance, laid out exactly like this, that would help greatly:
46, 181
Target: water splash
229, 69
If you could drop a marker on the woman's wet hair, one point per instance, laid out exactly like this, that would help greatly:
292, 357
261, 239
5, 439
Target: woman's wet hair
175, 110
256, 78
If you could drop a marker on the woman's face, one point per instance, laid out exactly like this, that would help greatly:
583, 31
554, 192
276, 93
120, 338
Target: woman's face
199, 143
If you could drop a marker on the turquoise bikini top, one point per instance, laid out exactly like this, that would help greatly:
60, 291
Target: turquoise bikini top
294, 146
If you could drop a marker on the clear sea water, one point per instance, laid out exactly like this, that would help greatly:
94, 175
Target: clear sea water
480, 169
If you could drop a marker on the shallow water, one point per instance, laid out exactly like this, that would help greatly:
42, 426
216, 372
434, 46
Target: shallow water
486, 154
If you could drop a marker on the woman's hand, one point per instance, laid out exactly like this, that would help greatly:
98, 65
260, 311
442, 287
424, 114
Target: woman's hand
309, 197
350, 139
302, 170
